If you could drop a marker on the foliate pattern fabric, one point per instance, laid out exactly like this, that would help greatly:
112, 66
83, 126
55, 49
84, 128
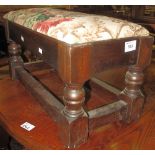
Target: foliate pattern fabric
75, 27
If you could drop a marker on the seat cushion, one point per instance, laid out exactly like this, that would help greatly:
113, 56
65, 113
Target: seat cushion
75, 27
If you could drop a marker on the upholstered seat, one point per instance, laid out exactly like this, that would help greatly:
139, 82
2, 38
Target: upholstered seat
75, 27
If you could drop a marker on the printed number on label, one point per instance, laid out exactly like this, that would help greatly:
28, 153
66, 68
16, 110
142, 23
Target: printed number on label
27, 126
130, 45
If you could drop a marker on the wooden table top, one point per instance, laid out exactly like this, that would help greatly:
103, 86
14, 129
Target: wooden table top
18, 106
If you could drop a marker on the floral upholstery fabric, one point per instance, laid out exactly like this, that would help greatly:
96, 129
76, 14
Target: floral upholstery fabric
75, 27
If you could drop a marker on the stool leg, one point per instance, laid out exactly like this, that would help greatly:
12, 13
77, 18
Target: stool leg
132, 94
74, 97
15, 59
74, 70
74, 129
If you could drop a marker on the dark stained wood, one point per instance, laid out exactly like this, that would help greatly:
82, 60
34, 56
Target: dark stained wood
132, 94
94, 92
54, 84
31, 41
36, 65
99, 52
76, 64
144, 54
106, 114
57, 111
134, 79
4, 72
107, 109
54, 107
18, 106
111, 53
15, 59
40, 92
3, 61
40, 117
105, 85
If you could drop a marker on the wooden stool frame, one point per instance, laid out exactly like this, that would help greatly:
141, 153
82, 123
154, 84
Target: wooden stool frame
75, 65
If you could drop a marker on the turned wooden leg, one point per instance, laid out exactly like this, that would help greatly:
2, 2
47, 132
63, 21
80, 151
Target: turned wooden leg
15, 59
132, 94
74, 70
74, 129
28, 55
74, 97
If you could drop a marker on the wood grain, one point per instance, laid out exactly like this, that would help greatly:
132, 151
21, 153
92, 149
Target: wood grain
18, 106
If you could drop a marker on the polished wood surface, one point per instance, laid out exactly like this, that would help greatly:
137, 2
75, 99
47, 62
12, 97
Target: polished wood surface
76, 64
18, 106
3, 61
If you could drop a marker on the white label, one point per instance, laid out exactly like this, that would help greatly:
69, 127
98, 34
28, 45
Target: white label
22, 38
130, 46
27, 126
40, 51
